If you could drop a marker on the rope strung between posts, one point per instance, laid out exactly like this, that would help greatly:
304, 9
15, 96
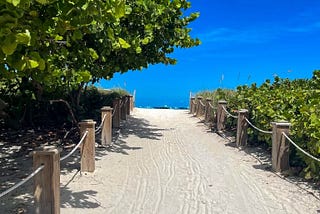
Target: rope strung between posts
306, 153
194, 102
253, 126
121, 103
201, 103
114, 109
22, 181
211, 106
228, 113
101, 124
75, 148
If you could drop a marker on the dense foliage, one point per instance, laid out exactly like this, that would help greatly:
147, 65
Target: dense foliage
56, 47
296, 101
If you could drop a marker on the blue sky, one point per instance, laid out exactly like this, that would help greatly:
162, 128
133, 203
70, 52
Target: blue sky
243, 42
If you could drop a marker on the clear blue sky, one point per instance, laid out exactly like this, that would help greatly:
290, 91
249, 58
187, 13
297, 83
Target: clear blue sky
243, 41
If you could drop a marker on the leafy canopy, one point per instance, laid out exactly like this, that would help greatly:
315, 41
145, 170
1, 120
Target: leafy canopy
58, 43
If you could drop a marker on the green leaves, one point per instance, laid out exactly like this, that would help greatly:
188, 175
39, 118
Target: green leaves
120, 9
14, 2
23, 38
93, 54
295, 101
9, 45
124, 44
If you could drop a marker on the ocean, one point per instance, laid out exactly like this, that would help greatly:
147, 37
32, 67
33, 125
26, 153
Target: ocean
162, 102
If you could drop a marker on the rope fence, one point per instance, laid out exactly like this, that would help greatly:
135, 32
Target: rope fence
48, 180
228, 113
299, 148
211, 106
114, 109
98, 129
23, 181
260, 130
201, 103
280, 145
75, 148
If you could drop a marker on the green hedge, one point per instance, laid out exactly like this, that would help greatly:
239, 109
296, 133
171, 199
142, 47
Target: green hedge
296, 101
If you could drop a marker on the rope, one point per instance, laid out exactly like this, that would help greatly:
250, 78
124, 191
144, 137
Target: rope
266, 132
306, 153
22, 181
211, 106
121, 103
75, 148
228, 113
101, 124
201, 103
114, 109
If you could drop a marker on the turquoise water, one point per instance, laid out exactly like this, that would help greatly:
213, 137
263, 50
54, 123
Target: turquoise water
162, 102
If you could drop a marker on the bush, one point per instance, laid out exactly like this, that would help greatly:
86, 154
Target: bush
296, 101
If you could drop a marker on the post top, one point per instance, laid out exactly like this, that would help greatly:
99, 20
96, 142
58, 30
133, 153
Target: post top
106, 108
283, 123
208, 99
46, 149
88, 121
192, 98
222, 102
243, 110
199, 97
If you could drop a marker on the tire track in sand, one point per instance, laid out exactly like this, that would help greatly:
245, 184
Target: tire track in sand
160, 195
141, 186
125, 187
196, 187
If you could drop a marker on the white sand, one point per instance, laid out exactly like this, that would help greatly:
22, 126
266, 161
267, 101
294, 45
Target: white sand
166, 161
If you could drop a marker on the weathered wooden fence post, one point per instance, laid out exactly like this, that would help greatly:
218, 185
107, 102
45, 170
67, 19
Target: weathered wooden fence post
128, 105
221, 115
131, 103
195, 105
88, 146
199, 107
123, 108
106, 132
47, 182
242, 126
208, 110
116, 114
191, 104
280, 147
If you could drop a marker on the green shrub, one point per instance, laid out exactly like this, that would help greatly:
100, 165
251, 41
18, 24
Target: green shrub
296, 101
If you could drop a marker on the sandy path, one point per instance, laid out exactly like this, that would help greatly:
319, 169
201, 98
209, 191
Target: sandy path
165, 161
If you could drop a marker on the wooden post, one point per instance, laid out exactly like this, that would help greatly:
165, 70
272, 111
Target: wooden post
195, 104
106, 132
88, 146
134, 97
242, 126
116, 114
190, 104
221, 115
128, 105
47, 181
199, 106
208, 110
131, 103
123, 114
280, 147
